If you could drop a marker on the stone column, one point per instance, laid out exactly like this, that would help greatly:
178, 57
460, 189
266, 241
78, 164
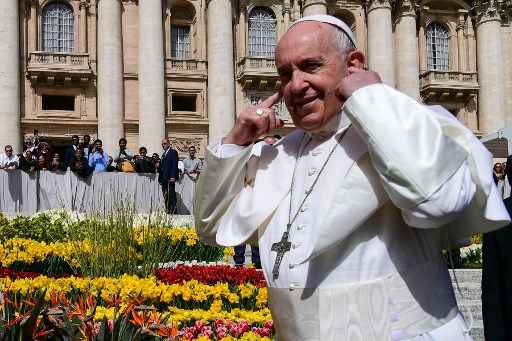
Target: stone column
110, 74
10, 75
470, 36
380, 40
422, 42
461, 44
151, 75
32, 27
490, 68
83, 26
310, 7
242, 28
407, 57
506, 32
221, 75
286, 14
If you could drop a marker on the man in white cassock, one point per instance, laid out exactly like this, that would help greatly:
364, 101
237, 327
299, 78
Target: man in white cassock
352, 209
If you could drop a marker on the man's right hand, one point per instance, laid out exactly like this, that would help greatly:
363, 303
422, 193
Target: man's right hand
250, 125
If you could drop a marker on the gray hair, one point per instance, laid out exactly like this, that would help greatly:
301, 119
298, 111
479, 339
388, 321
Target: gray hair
342, 42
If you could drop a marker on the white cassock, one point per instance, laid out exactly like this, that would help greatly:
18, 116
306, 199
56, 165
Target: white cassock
366, 263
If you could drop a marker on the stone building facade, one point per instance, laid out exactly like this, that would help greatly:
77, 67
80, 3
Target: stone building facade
146, 69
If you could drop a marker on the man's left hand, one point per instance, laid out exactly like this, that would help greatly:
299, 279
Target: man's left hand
356, 79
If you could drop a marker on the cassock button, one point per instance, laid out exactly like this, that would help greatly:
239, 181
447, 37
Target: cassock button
312, 172
301, 227
304, 209
291, 266
296, 245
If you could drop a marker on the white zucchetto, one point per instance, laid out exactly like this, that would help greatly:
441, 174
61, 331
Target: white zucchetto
328, 19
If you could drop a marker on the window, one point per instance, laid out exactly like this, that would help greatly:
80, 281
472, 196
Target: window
58, 28
180, 42
262, 33
64, 103
184, 103
437, 47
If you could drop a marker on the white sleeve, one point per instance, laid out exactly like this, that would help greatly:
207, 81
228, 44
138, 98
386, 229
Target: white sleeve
445, 204
224, 151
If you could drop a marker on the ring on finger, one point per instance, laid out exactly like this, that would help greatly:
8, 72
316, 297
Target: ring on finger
259, 112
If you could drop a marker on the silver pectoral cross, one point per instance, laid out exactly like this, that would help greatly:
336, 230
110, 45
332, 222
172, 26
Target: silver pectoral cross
281, 248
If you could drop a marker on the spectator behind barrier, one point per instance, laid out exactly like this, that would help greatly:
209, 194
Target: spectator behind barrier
28, 162
122, 161
70, 150
156, 161
87, 146
9, 160
56, 165
143, 163
42, 163
80, 164
99, 160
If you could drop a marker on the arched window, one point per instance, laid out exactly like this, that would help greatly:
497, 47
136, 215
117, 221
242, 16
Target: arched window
437, 47
181, 42
58, 28
262, 33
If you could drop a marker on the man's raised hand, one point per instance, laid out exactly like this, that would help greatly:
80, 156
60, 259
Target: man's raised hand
356, 79
255, 121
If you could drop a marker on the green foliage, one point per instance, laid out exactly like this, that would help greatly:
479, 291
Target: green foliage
43, 227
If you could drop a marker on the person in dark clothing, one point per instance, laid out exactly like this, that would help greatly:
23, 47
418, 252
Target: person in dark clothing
168, 174
28, 162
80, 164
239, 256
56, 164
156, 160
87, 146
70, 151
143, 163
497, 281
42, 163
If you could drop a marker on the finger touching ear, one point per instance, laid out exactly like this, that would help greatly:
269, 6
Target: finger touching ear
356, 59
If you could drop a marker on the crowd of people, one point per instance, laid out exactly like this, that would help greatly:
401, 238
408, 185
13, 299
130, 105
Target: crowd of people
84, 157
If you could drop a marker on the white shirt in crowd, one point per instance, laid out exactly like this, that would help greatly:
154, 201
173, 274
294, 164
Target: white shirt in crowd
9, 162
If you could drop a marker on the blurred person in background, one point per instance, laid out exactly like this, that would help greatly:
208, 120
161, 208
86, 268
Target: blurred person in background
28, 162
42, 163
86, 146
192, 165
70, 150
56, 165
156, 161
80, 164
9, 160
99, 160
143, 163
123, 157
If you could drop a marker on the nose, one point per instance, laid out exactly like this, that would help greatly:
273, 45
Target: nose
298, 83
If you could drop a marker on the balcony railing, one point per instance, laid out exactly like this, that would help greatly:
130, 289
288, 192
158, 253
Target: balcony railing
55, 62
249, 66
448, 79
186, 67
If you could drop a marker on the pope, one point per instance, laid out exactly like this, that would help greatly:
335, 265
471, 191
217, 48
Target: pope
353, 209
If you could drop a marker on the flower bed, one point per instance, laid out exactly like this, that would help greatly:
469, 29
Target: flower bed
211, 275
88, 278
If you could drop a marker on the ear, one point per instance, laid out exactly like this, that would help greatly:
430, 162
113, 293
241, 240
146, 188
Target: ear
356, 59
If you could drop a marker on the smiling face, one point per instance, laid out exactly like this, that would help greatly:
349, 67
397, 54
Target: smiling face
310, 68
